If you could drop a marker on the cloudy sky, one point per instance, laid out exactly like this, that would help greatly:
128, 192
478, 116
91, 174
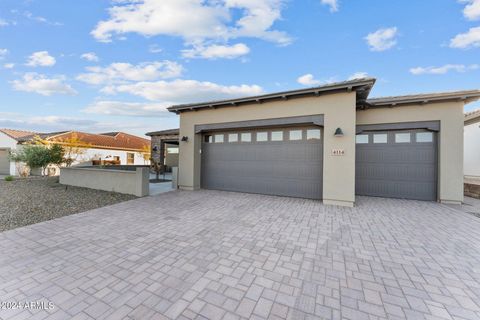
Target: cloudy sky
102, 65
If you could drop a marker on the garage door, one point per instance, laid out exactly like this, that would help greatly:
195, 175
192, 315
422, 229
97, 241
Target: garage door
284, 162
397, 164
4, 162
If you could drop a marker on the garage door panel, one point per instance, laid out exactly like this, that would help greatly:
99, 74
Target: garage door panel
398, 170
4, 162
284, 168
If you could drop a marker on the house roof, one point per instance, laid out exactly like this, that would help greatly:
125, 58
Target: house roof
361, 86
109, 140
169, 132
466, 96
472, 117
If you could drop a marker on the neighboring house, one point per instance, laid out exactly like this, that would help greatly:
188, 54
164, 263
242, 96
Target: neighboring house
164, 147
472, 144
329, 142
113, 147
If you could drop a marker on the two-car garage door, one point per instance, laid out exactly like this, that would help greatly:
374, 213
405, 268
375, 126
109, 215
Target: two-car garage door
275, 161
397, 164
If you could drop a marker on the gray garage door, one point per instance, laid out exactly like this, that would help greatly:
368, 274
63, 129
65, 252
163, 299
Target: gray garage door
397, 164
4, 162
284, 162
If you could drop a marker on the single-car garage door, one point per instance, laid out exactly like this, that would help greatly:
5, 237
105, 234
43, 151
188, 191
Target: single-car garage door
284, 162
4, 162
397, 164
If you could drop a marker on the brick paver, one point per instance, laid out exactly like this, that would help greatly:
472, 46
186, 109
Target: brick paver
219, 255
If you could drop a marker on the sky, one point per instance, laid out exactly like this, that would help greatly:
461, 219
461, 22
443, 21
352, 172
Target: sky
115, 65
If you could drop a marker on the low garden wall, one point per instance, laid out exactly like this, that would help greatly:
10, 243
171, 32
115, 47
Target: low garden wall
134, 182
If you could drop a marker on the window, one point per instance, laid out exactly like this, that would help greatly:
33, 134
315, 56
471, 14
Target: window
277, 135
262, 136
402, 137
208, 139
380, 138
361, 138
116, 158
219, 138
424, 137
246, 137
130, 158
233, 137
295, 135
313, 134
172, 150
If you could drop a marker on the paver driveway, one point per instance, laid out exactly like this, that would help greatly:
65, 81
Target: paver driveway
219, 255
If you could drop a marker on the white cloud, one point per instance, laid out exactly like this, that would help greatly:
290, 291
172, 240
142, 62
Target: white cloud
193, 20
358, 75
3, 23
41, 84
333, 4
122, 72
9, 65
3, 53
182, 91
90, 56
308, 80
40, 59
443, 69
154, 48
40, 19
382, 39
120, 108
472, 9
466, 40
217, 51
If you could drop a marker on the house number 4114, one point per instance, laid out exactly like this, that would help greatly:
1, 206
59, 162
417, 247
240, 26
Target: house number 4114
338, 152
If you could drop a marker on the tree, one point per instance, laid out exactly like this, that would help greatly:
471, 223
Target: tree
73, 148
145, 153
38, 156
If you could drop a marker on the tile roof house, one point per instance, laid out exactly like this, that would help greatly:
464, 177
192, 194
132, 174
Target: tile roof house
119, 147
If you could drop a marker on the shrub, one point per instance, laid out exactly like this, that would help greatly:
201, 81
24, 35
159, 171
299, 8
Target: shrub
38, 156
8, 178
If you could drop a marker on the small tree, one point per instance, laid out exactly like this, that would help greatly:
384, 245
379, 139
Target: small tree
145, 153
73, 148
38, 156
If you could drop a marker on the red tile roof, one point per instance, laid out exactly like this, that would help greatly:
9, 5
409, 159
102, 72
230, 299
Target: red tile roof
109, 140
119, 140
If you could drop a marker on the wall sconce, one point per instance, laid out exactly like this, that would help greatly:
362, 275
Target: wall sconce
184, 138
338, 132
155, 149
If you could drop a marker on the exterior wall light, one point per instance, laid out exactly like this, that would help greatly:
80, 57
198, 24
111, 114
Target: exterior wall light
155, 149
184, 138
338, 132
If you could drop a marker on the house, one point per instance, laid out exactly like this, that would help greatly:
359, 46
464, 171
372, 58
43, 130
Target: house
83, 148
330, 142
471, 158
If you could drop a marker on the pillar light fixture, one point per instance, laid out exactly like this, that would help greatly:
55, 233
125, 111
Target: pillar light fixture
184, 138
338, 132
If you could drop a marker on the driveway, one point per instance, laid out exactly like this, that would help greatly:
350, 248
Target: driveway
220, 255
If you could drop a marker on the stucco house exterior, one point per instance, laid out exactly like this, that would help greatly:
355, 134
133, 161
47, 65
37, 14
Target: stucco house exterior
330, 142
472, 145
114, 147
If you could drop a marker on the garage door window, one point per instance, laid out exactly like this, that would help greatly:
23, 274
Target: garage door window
402, 137
277, 136
208, 139
362, 138
219, 138
246, 137
380, 138
424, 137
313, 134
295, 135
262, 136
233, 137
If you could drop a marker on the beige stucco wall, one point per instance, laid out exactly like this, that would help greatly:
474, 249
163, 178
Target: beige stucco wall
450, 115
338, 110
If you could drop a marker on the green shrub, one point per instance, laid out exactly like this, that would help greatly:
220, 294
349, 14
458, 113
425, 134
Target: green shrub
8, 178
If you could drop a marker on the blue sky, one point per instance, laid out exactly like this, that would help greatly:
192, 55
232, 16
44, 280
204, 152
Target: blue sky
103, 65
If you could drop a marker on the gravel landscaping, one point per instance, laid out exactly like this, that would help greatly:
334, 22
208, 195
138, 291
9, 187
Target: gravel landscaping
33, 200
